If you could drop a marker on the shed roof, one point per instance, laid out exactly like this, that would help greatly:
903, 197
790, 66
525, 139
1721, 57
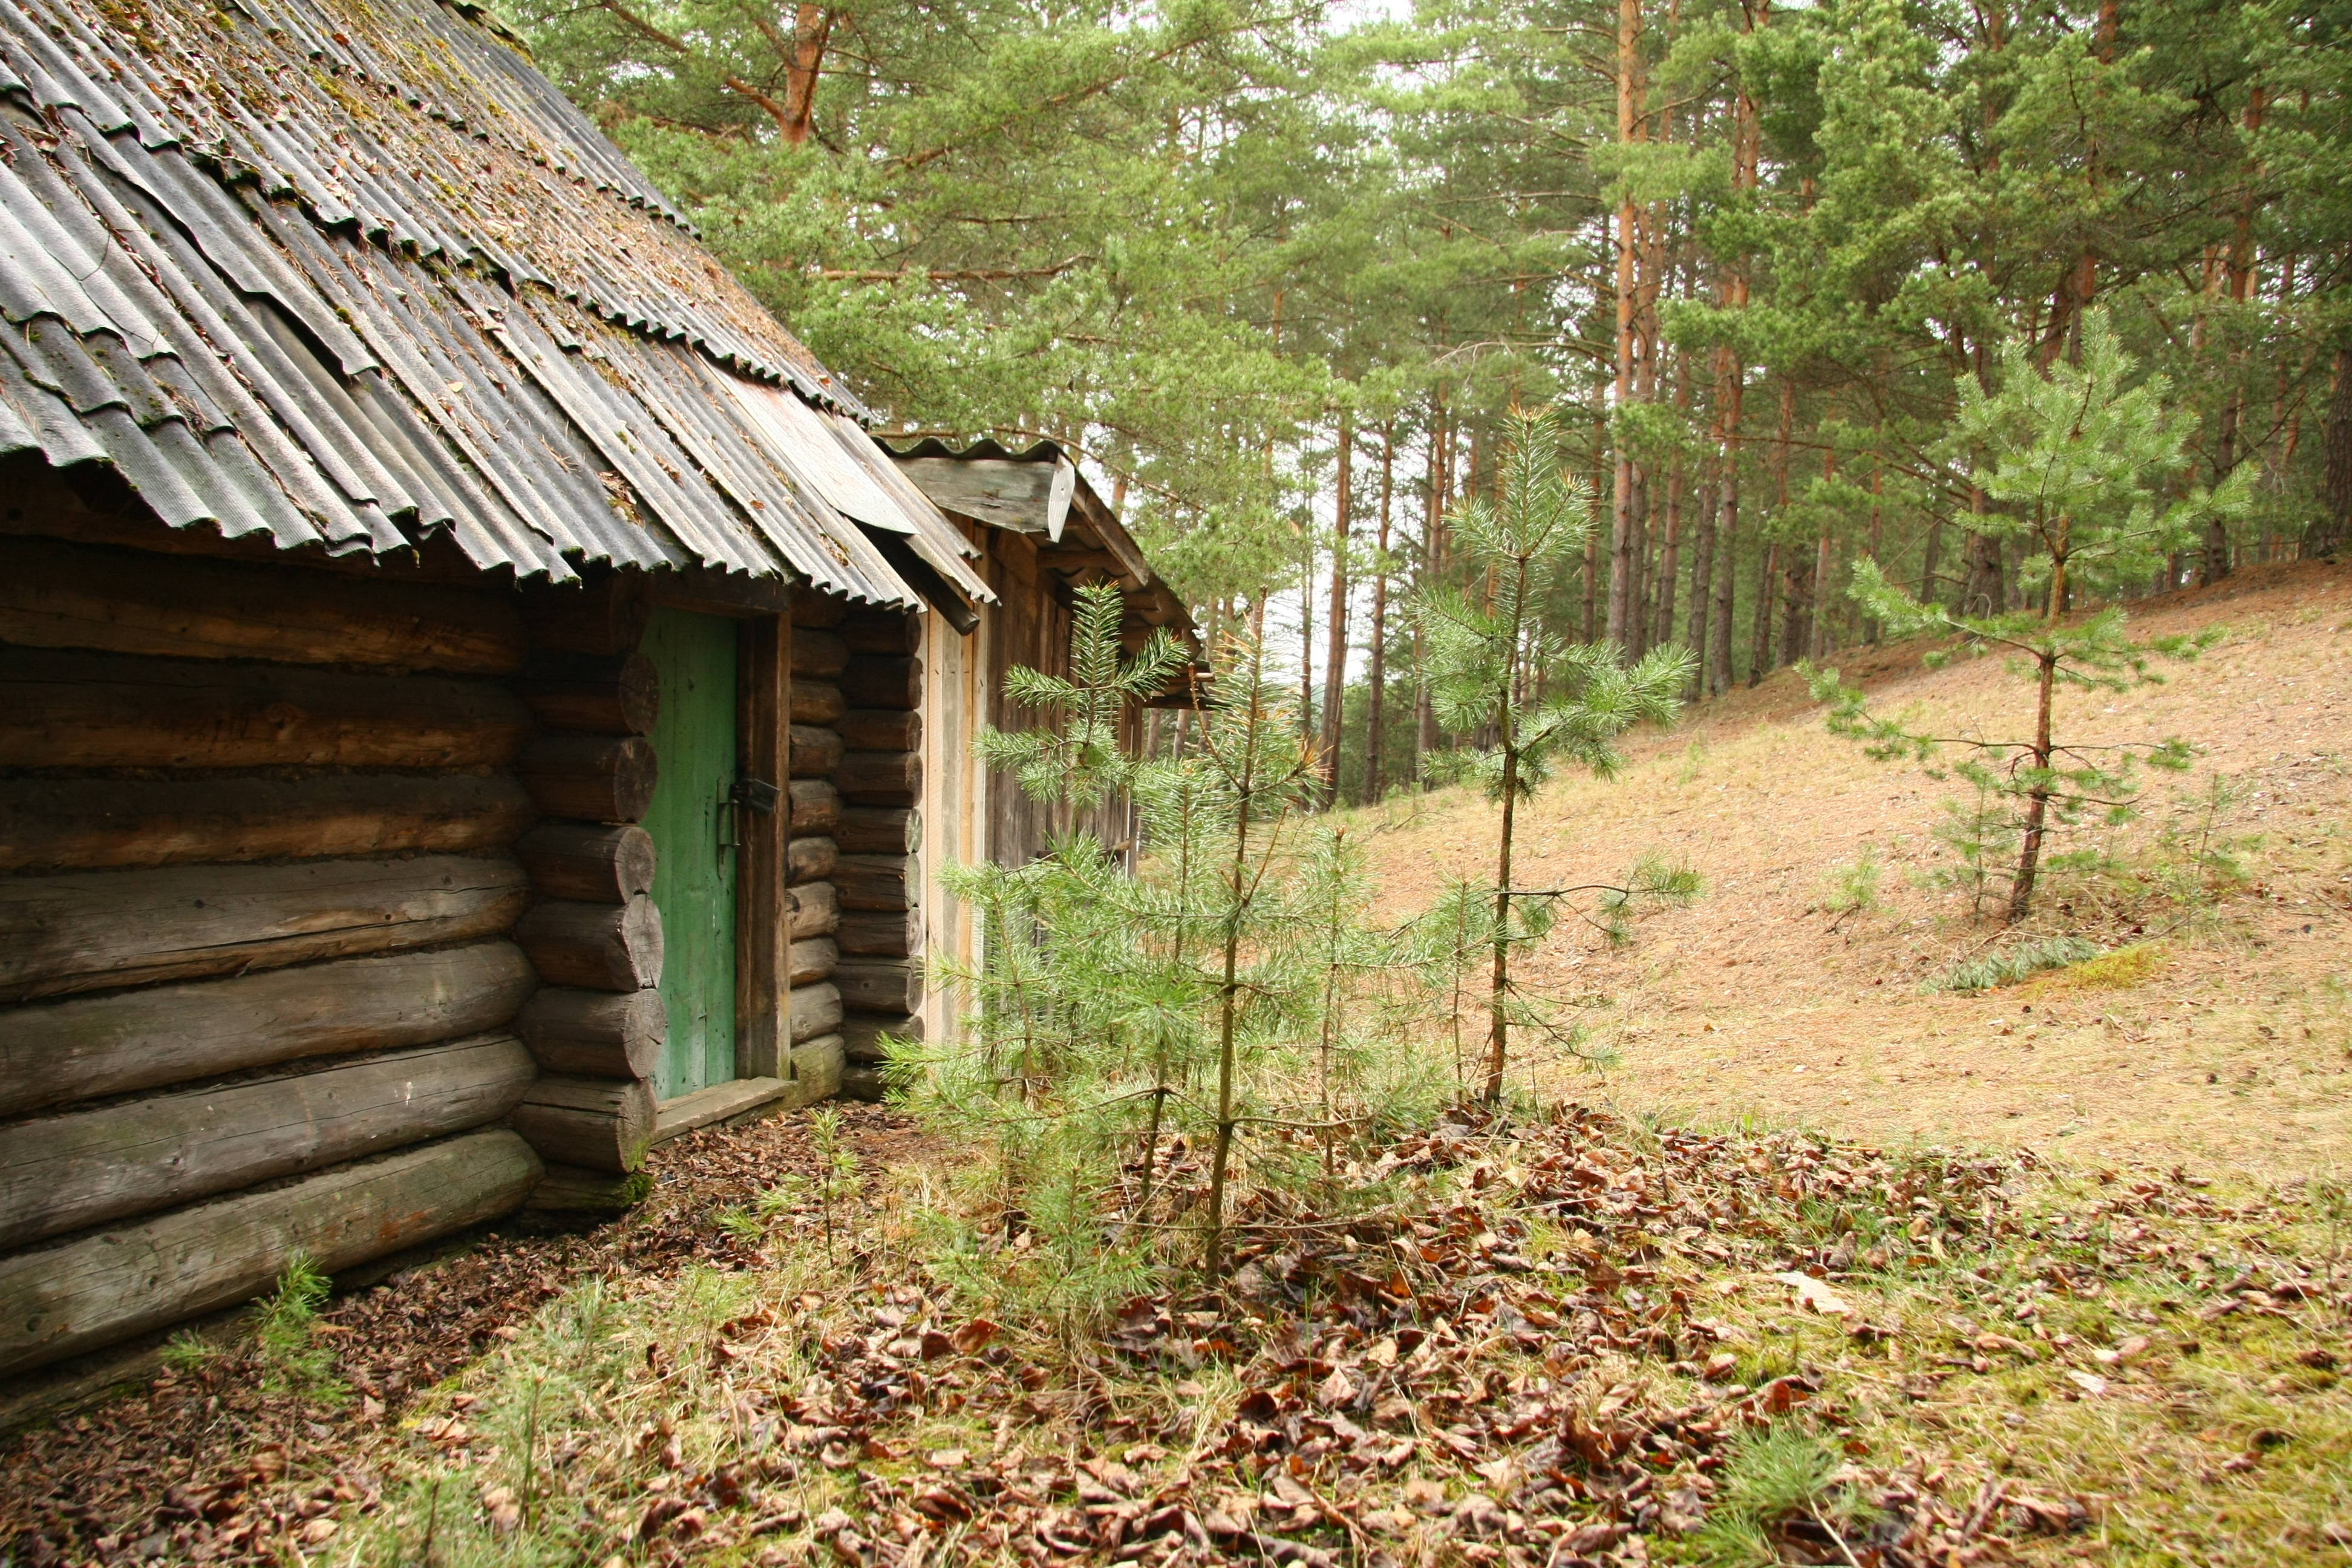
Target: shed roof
351, 273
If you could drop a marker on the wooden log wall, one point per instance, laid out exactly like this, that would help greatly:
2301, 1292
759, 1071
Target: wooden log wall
597, 1024
875, 876
259, 893
811, 851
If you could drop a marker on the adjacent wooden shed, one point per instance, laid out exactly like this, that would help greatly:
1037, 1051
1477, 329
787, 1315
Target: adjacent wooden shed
464, 667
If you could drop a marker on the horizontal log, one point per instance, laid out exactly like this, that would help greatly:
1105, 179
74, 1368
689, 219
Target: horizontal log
601, 1123
810, 859
881, 730
817, 702
891, 632
89, 931
568, 1189
595, 1034
816, 806
864, 1083
874, 882
880, 778
818, 655
612, 695
880, 830
861, 1033
596, 864
55, 595
58, 1052
67, 708
873, 682
90, 823
813, 607
59, 1173
816, 1010
815, 1069
881, 933
81, 1294
814, 909
597, 947
813, 960
604, 617
596, 778
879, 985
816, 752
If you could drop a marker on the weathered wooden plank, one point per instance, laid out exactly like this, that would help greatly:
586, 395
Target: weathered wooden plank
881, 933
816, 752
811, 960
93, 1291
55, 595
67, 1172
861, 1033
90, 823
601, 1123
598, 865
879, 830
816, 806
97, 930
597, 778
816, 1010
817, 654
881, 730
67, 708
880, 778
605, 616
611, 695
817, 702
874, 682
811, 859
1001, 491
595, 1034
58, 1052
814, 909
891, 632
879, 985
597, 947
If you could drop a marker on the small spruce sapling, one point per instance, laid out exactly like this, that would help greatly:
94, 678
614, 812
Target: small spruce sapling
1485, 652
2075, 461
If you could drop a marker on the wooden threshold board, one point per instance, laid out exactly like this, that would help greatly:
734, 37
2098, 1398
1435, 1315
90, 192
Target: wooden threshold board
720, 1102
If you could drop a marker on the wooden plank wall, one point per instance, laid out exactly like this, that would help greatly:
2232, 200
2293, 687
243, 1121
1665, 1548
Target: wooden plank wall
259, 883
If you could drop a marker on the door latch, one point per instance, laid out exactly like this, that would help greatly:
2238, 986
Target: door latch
756, 794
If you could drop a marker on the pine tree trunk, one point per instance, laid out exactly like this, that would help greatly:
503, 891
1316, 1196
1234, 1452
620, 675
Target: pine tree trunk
1376, 699
2332, 529
1759, 653
1702, 579
1335, 669
2037, 803
1621, 532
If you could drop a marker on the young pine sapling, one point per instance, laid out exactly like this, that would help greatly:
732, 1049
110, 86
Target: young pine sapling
1485, 651
2075, 460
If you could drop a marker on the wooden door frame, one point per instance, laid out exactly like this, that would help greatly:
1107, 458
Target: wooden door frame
761, 607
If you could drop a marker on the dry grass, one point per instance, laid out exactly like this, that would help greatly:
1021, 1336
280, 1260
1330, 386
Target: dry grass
2226, 1044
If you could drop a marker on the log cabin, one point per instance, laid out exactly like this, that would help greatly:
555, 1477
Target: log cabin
463, 664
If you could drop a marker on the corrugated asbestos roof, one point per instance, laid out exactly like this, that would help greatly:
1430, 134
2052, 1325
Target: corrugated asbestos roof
352, 272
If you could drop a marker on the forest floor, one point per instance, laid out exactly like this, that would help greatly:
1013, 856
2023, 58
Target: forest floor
1828, 1267
2227, 1044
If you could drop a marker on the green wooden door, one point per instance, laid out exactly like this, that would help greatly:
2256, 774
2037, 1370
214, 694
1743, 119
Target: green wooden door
694, 872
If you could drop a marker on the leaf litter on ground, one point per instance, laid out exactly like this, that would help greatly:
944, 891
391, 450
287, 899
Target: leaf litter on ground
1579, 1340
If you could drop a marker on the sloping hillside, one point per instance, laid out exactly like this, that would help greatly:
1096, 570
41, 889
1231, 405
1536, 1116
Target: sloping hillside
2231, 1051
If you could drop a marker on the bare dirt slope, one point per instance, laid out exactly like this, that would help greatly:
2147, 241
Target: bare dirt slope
2233, 1054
